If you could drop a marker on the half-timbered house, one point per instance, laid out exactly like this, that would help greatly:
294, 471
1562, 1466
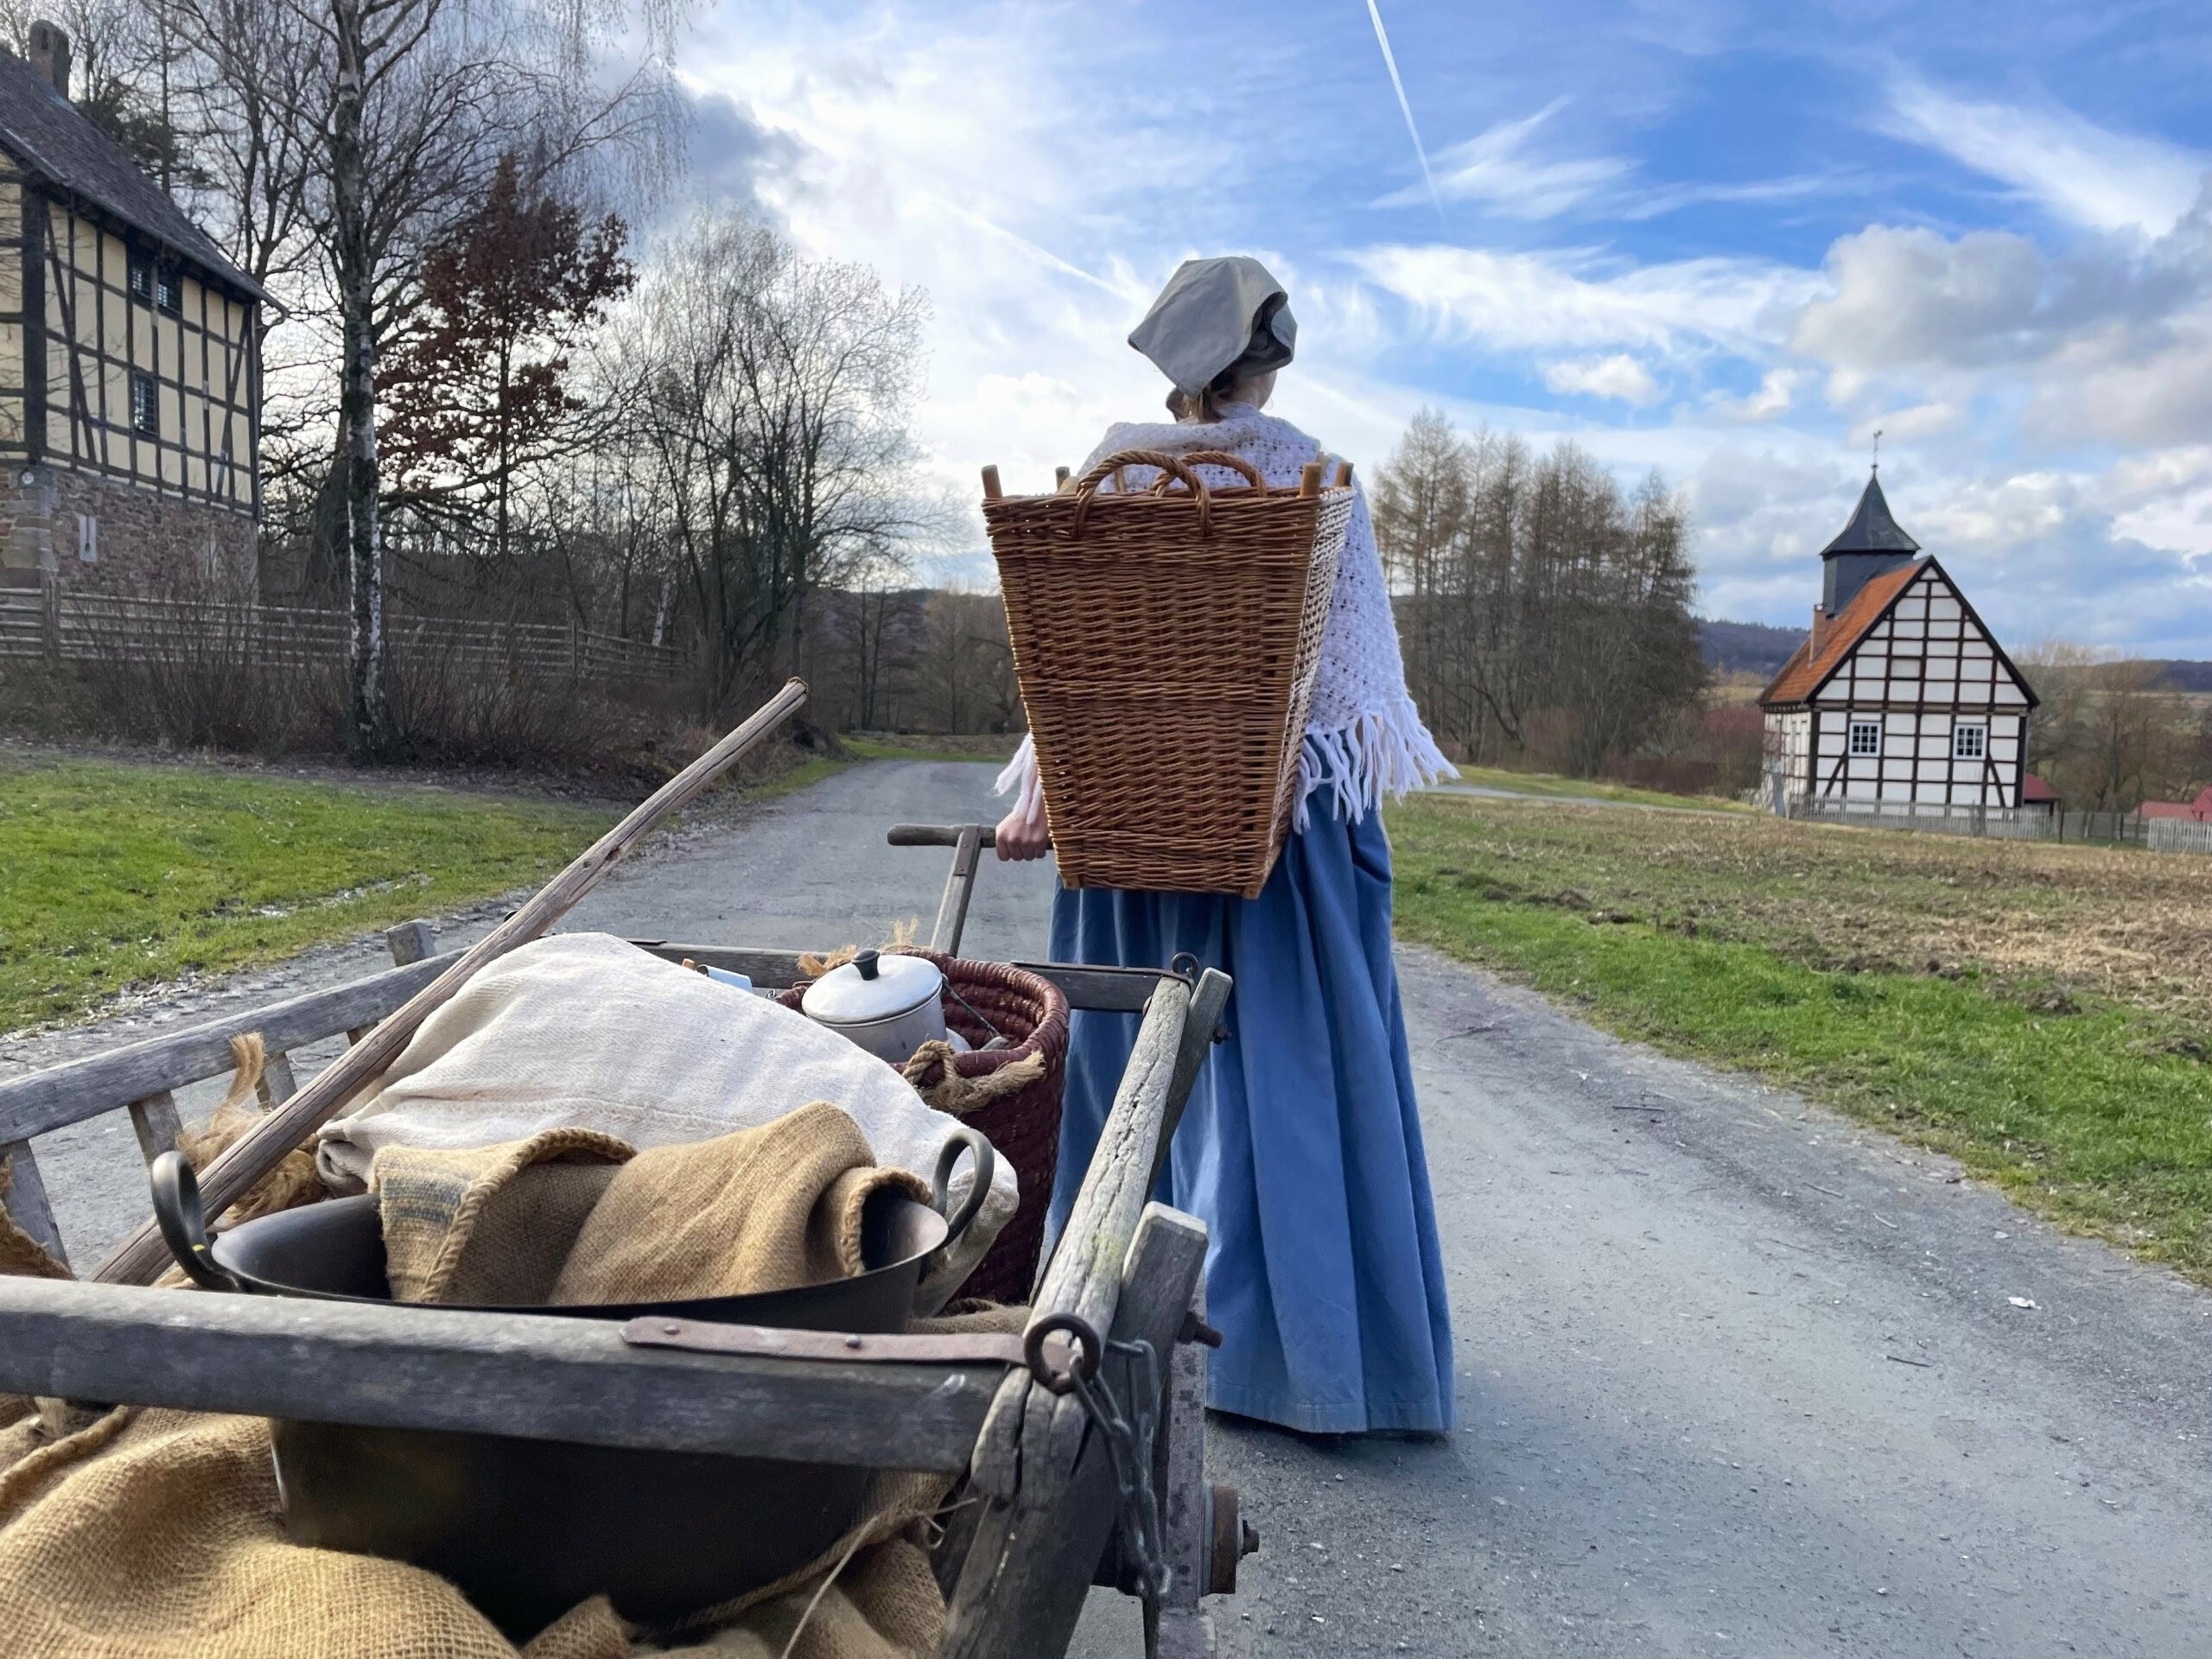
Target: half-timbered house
1900, 698
130, 374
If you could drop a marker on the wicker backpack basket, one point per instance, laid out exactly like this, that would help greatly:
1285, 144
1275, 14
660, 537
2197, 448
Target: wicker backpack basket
1165, 641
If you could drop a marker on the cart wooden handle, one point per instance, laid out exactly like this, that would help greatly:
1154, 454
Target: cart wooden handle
143, 1256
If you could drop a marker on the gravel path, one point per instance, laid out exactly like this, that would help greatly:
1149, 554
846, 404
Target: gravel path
1735, 1378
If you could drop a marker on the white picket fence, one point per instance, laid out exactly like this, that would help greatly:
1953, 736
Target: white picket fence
2179, 835
2002, 823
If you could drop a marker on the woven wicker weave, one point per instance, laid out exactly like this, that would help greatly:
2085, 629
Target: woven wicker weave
1023, 1128
1167, 642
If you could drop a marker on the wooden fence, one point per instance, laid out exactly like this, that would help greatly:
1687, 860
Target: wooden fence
63, 626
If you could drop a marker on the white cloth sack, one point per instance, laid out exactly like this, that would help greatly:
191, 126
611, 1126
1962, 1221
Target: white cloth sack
586, 1030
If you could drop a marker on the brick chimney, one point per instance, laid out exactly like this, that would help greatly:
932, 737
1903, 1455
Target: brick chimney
49, 54
1820, 627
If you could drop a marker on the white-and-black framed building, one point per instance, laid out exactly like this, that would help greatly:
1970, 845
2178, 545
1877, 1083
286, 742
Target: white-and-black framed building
130, 371
1900, 697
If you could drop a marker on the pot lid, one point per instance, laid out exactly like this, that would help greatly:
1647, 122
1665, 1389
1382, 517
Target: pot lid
871, 987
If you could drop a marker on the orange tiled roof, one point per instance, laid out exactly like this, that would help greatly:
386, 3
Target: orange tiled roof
1808, 668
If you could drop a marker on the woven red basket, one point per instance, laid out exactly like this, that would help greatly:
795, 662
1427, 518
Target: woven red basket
1025, 1128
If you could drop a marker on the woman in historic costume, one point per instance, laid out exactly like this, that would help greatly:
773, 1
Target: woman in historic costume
1301, 1147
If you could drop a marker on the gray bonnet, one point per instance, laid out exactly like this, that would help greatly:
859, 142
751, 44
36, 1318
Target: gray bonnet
1216, 315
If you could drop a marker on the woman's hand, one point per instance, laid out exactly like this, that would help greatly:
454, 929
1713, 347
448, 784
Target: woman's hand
1022, 834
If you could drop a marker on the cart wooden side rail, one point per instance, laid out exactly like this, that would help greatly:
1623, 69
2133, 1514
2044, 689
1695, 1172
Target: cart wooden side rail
1039, 1514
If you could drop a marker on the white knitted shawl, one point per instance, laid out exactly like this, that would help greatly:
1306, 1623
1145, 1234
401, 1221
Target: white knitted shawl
1364, 736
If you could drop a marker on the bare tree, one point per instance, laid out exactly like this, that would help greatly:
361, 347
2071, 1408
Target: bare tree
1540, 606
775, 396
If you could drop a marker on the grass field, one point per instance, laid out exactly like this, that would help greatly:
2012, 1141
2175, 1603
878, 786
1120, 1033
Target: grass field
115, 875
1550, 785
2043, 1013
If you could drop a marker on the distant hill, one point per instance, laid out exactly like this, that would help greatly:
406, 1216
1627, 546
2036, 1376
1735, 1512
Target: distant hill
1748, 647
2185, 675
1755, 648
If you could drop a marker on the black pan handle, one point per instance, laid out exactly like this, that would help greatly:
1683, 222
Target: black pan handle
936, 1289
986, 1157
183, 1222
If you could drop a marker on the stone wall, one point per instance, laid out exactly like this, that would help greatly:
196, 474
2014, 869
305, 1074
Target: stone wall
145, 542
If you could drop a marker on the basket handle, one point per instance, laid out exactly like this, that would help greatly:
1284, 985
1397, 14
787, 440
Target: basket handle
1170, 466
1217, 458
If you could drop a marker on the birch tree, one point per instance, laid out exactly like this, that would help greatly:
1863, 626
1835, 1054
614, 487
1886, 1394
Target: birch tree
382, 123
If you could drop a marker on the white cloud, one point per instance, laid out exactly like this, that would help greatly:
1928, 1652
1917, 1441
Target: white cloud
1536, 301
1619, 376
1909, 295
2108, 340
1778, 390
2084, 173
1492, 168
1673, 198
1902, 425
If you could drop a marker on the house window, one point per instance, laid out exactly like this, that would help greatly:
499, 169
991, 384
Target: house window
169, 290
1969, 742
145, 412
1867, 737
88, 538
142, 276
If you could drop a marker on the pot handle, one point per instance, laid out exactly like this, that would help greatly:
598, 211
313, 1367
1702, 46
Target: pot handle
183, 1222
935, 1290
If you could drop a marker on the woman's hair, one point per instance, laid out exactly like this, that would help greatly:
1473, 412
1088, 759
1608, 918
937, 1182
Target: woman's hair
1206, 403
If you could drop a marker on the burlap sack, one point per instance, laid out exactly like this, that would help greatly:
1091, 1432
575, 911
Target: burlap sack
586, 1030
572, 1217
156, 1534
489, 1226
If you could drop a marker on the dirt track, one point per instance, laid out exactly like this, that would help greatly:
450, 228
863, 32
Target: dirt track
1735, 1378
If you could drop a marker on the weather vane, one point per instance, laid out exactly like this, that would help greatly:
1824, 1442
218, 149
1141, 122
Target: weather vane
1878, 449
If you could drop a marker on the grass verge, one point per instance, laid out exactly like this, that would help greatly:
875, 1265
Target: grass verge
2096, 1111
993, 750
114, 874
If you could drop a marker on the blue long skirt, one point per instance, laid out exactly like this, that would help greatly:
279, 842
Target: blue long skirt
1301, 1147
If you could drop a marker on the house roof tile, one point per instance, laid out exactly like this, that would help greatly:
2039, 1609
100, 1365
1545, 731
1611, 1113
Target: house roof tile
1809, 666
51, 136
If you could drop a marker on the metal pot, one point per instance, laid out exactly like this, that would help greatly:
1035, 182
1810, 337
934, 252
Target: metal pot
528, 1529
890, 1005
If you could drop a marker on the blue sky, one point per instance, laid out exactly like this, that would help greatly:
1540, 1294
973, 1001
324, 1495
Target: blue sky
1723, 240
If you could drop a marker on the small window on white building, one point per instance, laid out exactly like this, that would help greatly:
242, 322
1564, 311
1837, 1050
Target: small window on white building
1865, 737
145, 412
1969, 742
88, 538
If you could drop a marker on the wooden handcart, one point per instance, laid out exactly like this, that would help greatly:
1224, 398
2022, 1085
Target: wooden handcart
1050, 1501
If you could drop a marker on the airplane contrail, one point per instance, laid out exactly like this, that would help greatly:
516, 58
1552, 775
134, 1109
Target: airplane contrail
1390, 62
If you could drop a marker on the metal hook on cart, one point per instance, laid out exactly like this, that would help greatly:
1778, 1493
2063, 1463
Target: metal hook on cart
1080, 1336
1126, 1432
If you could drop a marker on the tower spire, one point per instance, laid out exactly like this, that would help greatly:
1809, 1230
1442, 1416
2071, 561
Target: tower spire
1878, 449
